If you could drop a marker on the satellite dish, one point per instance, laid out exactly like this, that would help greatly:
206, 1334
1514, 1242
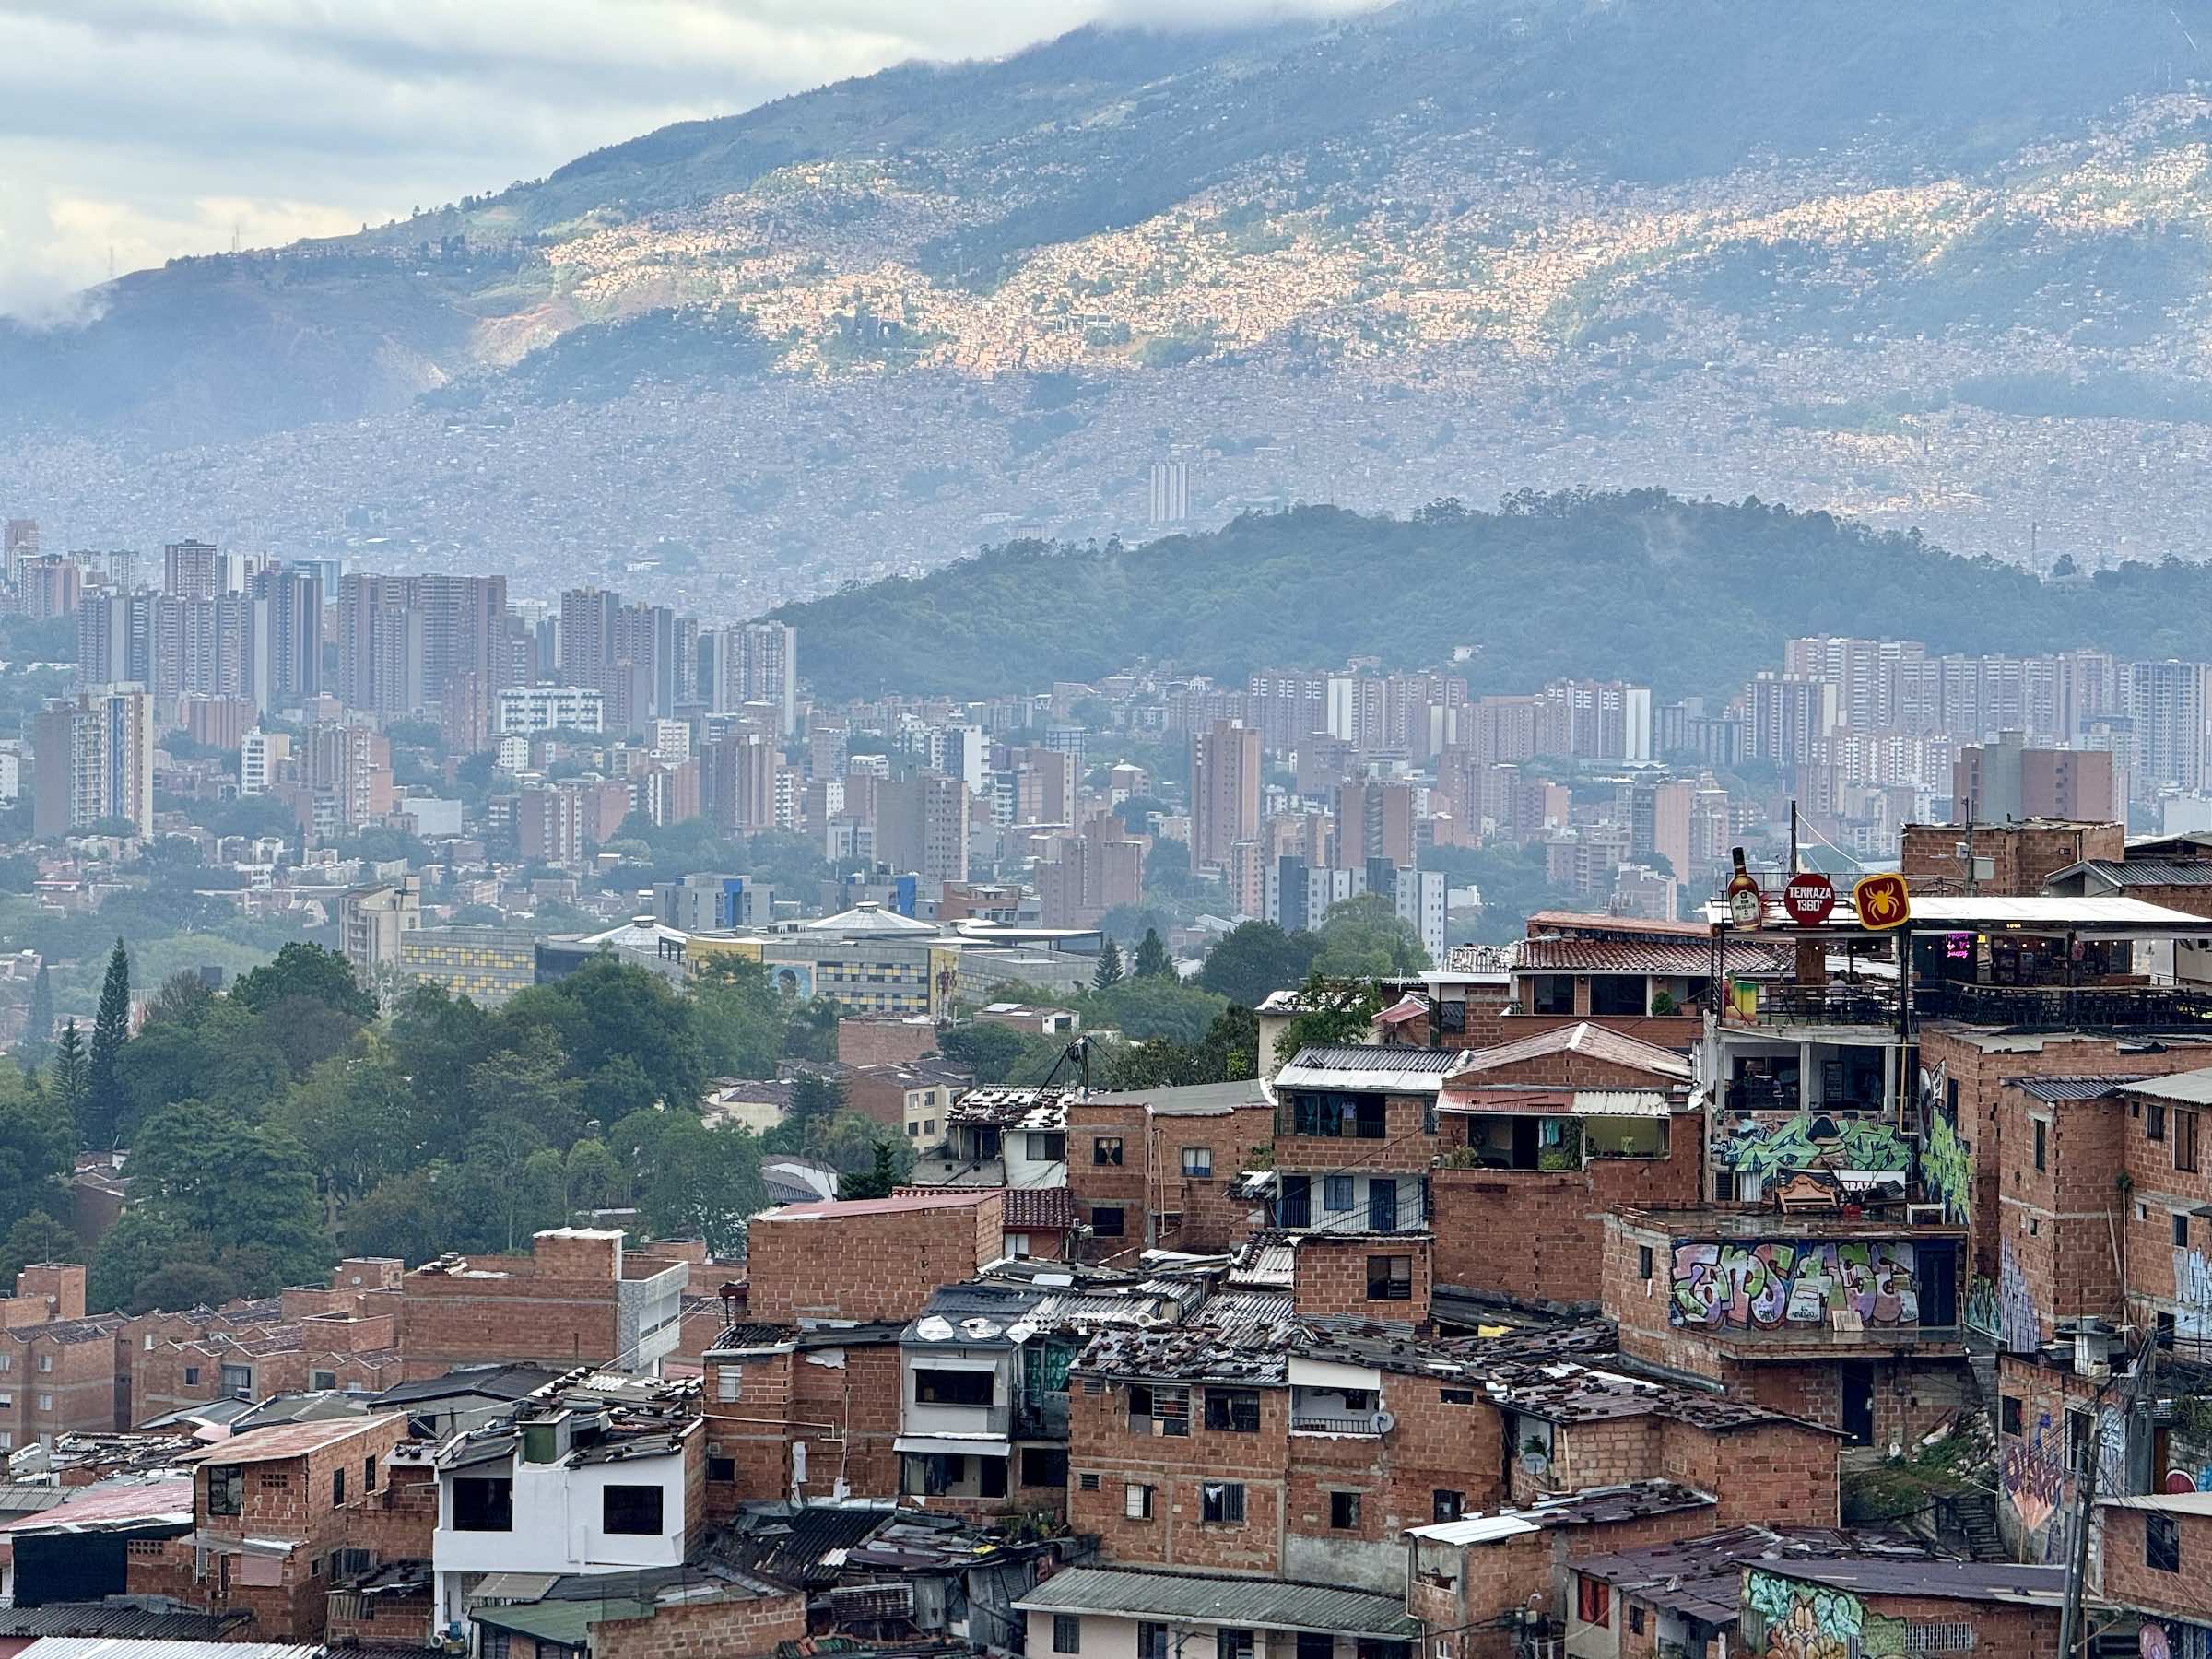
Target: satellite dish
1385, 1422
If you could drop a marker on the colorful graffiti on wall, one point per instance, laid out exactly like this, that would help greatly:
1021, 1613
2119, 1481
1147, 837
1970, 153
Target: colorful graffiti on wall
1946, 1169
1811, 1140
1812, 1622
1774, 1283
2191, 1293
2033, 1482
2019, 1326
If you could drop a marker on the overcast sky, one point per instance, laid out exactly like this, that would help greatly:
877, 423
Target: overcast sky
139, 129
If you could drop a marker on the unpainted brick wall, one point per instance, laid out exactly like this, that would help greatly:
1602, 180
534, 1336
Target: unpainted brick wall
867, 1264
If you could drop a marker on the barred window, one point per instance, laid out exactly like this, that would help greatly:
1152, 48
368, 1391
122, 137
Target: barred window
1939, 1636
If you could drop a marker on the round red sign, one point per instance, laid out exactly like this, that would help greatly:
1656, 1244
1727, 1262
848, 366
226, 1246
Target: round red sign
1808, 898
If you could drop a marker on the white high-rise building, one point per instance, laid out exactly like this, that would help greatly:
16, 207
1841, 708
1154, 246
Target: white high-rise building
1170, 493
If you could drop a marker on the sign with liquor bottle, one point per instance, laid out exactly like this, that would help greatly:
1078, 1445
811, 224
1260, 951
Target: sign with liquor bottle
1746, 905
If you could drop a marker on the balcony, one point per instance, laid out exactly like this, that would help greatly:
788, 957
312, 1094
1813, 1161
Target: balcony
1370, 1423
2066, 1007
1796, 1339
1838, 1003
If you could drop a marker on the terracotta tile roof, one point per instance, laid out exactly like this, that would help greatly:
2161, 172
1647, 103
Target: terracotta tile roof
1689, 958
1595, 1041
1038, 1209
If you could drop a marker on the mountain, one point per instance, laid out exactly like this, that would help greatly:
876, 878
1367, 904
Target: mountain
1687, 597
1943, 264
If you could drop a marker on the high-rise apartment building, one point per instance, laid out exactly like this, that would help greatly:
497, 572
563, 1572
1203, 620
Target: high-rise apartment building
2165, 710
193, 570
922, 826
1225, 790
1170, 501
95, 759
18, 541
2007, 780
288, 636
738, 781
1374, 819
753, 663
52, 584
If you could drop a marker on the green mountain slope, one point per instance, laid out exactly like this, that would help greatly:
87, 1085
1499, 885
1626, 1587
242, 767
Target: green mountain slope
1687, 597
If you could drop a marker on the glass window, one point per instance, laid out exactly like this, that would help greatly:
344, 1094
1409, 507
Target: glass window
2042, 1138
2184, 1141
1106, 1150
1236, 1410
1198, 1162
1106, 1221
2180, 1227
1644, 1263
238, 1379
1447, 1506
226, 1489
191, 1376
1389, 1278
1592, 1600
953, 1387
1222, 1502
1337, 1192
1344, 1512
631, 1512
1048, 1149
484, 1503
1151, 1640
1234, 1644
2161, 1543
1137, 1501
1067, 1633
322, 1380
2154, 1121
2008, 1414
337, 1488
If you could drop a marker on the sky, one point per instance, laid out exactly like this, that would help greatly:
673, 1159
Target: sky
135, 130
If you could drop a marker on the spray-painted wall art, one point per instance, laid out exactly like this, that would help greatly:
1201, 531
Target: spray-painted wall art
2019, 1325
1765, 1151
1793, 1619
1778, 1282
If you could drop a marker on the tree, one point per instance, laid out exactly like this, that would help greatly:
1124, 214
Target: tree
1152, 959
184, 999
401, 1215
306, 970
847, 1143
104, 1104
1109, 972
38, 1022
878, 1178
38, 1237
814, 1096
182, 1285
740, 1020
71, 1076
1365, 936
985, 1049
36, 1139
1253, 959
1331, 1014
355, 1116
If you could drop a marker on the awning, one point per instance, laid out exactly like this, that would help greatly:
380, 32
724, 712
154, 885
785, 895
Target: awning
513, 1586
1561, 1102
954, 1445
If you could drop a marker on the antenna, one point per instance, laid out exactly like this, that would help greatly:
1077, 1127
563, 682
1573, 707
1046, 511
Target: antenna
237, 226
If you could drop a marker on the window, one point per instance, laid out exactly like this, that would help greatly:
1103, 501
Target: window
1234, 1644
1389, 1278
1236, 1410
1198, 1162
44, 1402
1106, 1221
953, 1387
1636, 1620
337, 1488
1137, 1501
722, 1468
238, 1379
1151, 1640
191, 1376
1159, 1410
1313, 1644
1337, 1192
1337, 1116
45, 1362
2077, 1436
1644, 1263
993, 1472
2042, 1138
323, 1380
2008, 1414
484, 1504
1106, 1150
1456, 1396
226, 1489
1344, 1512
7, 1361
1221, 1502
1447, 1506
1048, 1149
2184, 1141
1067, 1633
1044, 1466
1087, 1483
631, 1512
2180, 1227
1592, 1600
2161, 1542
2154, 1121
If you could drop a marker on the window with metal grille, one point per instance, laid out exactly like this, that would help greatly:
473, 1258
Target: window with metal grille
1939, 1636
1344, 1512
2161, 1543
1389, 1278
1087, 1483
1236, 1410
1159, 1410
1221, 1502
1067, 1633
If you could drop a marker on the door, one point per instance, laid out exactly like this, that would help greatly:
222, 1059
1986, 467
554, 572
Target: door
1857, 1377
1295, 1208
1524, 1143
1938, 1266
1381, 1205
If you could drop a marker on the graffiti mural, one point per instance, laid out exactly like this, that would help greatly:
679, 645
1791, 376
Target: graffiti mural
1776, 1283
2033, 1482
2018, 1324
2191, 1293
1811, 1621
1811, 1140
1946, 1169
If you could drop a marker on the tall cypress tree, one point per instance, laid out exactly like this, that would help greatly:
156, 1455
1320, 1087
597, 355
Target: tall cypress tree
110, 1030
72, 1077
1108, 973
37, 1024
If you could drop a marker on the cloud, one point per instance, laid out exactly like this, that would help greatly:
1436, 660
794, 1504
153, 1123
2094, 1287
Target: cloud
155, 127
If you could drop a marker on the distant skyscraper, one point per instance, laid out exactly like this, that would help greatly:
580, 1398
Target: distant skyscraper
2166, 705
754, 662
94, 755
193, 569
1170, 493
922, 826
18, 541
288, 636
1225, 790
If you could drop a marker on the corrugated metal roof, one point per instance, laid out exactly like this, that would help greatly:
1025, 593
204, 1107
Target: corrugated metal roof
1379, 1067
2190, 1089
1952, 1581
1251, 1604
287, 1439
2147, 872
99, 1619
128, 1647
2051, 1089
563, 1622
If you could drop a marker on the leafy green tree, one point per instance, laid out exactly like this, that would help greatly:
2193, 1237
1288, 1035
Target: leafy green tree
814, 1096
810, 1033
878, 1179
354, 1115
1365, 934
985, 1049
529, 1083
241, 1193
184, 999
401, 1216
1108, 973
142, 1243
690, 1181
36, 1046
1152, 959
71, 1078
1331, 1014
610, 1012
1253, 959
105, 1104
595, 1178
847, 1143
38, 1237
36, 1143
308, 971
741, 1020
181, 1286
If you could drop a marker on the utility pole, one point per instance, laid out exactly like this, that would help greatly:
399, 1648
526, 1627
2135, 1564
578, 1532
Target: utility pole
2072, 1629
1793, 869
